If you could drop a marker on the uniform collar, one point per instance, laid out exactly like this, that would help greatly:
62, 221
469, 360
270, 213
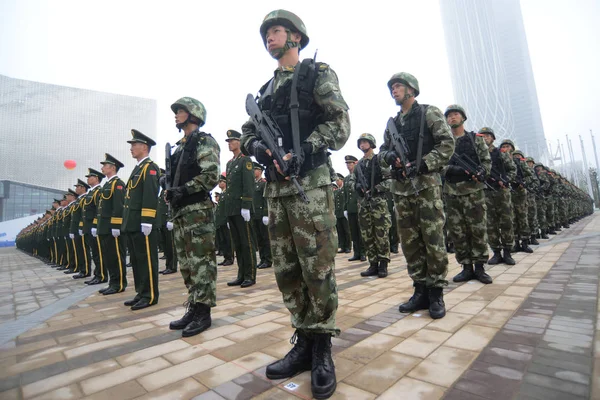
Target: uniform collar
142, 160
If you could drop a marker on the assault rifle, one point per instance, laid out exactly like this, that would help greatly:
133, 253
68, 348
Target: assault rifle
272, 137
472, 168
497, 177
363, 182
402, 150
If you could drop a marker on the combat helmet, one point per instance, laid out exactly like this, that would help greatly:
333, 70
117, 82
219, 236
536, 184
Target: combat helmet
457, 108
406, 79
286, 19
508, 141
530, 159
518, 153
488, 130
192, 106
369, 138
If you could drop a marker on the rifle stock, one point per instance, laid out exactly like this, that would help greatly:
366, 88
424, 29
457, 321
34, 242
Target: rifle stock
401, 148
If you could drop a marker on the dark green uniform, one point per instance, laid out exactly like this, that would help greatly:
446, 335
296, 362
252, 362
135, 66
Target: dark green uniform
223, 235
240, 189
343, 229
166, 236
141, 204
261, 210
90, 220
81, 248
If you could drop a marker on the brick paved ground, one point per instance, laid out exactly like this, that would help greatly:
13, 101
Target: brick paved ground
530, 335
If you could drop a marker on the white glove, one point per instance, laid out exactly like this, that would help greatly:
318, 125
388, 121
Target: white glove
116, 232
146, 229
94, 232
246, 214
346, 214
169, 226
72, 235
80, 232
265, 220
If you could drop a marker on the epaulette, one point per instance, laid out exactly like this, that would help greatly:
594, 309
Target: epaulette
323, 66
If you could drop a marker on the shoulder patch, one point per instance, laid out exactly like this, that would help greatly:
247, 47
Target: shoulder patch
152, 172
323, 66
249, 165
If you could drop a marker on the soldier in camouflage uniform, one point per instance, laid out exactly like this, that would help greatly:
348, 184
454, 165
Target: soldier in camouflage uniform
351, 210
373, 214
519, 199
418, 192
550, 201
533, 186
498, 200
193, 217
541, 197
463, 188
303, 236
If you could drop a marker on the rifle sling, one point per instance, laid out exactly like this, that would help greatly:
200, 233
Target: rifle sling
420, 143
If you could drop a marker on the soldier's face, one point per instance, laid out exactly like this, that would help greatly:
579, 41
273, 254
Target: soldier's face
80, 189
350, 165
454, 119
398, 92
108, 169
364, 145
138, 150
488, 138
222, 185
506, 148
233, 144
181, 116
257, 173
276, 37
530, 164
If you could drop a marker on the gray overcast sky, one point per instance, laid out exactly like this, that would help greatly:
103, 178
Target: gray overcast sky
213, 51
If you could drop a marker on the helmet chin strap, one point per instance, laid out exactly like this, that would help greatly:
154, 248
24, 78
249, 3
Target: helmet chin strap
454, 126
289, 44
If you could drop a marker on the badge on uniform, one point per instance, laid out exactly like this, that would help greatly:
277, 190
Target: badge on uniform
152, 172
249, 165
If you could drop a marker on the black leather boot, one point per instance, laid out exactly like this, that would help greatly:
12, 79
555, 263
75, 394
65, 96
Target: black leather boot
297, 360
496, 258
534, 241
481, 275
517, 247
418, 301
323, 382
551, 231
508, 260
185, 320
372, 270
465, 275
525, 246
544, 234
200, 322
450, 248
437, 308
382, 269
566, 225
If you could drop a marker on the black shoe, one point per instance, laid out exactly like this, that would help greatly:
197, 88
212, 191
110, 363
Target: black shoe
437, 308
372, 270
70, 271
566, 226
143, 303
80, 275
162, 258
465, 275
247, 283
131, 302
496, 258
128, 265
551, 231
347, 251
544, 234
363, 258
298, 359
382, 269
236, 282
201, 321
525, 246
355, 257
508, 260
101, 291
534, 241
92, 281
418, 301
111, 291
163, 271
186, 319
394, 249
450, 248
264, 265
341, 251
226, 263
98, 281
322, 378
481, 275
169, 271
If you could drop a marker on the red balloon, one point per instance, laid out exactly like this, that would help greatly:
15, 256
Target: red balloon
70, 164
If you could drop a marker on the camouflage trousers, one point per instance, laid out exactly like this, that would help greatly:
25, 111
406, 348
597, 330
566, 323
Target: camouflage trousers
303, 246
532, 218
560, 212
375, 221
499, 219
420, 225
467, 227
550, 211
520, 221
194, 236
541, 213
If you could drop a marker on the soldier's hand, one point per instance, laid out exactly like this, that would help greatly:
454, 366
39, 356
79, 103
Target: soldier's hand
398, 163
146, 229
94, 232
287, 157
346, 214
265, 220
169, 226
115, 232
80, 232
72, 235
245, 213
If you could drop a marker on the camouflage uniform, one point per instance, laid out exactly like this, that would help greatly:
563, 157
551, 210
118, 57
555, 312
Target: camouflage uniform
466, 204
551, 202
533, 187
303, 236
541, 199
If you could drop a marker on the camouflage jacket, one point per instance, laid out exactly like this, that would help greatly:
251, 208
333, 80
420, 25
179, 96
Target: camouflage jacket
509, 165
331, 134
471, 186
435, 160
